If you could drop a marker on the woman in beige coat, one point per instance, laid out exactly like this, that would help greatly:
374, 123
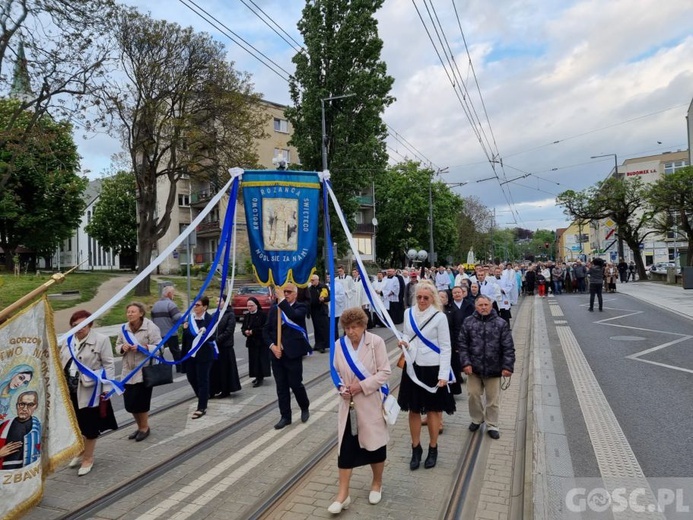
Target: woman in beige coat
141, 333
93, 350
369, 444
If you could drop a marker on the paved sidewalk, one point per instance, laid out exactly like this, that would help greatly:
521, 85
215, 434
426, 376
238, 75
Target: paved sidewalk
670, 297
103, 294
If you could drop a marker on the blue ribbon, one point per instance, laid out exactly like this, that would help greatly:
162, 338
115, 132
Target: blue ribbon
290, 323
427, 342
385, 389
98, 378
223, 252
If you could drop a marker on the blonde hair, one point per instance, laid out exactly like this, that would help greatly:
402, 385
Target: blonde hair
427, 285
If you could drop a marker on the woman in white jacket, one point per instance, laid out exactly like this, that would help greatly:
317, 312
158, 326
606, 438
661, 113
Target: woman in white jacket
428, 349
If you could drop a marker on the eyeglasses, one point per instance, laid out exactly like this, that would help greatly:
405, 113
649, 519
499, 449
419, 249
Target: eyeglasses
288, 291
26, 405
422, 297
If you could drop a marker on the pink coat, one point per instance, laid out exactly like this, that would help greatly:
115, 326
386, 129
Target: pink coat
372, 428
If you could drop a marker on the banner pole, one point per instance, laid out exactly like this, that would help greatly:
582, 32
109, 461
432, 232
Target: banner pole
55, 279
279, 321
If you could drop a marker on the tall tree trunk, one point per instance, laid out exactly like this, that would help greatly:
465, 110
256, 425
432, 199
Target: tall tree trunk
637, 256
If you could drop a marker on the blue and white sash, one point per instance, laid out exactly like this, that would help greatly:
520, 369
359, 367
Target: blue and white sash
290, 323
357, 366
132, 340
98, 377
200, 337
428, 343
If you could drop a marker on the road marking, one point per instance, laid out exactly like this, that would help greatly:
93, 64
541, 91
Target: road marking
615, 458
193, 500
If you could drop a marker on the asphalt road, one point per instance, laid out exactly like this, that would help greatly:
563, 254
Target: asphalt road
641, 357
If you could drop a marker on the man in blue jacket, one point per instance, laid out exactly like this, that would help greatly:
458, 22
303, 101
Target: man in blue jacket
287, 359
487, 352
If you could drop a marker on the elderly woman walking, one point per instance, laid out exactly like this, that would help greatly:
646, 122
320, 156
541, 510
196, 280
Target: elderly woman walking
363, 367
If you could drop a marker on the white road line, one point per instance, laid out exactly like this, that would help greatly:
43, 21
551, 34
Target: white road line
194, 500
615, 457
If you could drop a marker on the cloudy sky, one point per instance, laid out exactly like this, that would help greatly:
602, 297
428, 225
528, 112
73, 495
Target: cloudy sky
560, 81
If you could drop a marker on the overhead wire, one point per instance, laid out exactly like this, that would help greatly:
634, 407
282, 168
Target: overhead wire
235, 38
297, 49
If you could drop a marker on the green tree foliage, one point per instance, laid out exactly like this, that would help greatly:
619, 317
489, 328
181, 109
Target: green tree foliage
475, 224
41, 203
60, 53
402, 209
183, 110
624, 200
671, 198
341, 57
114, 220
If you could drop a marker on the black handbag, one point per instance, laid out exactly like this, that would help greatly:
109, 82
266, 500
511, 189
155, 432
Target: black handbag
72, 381
157, 374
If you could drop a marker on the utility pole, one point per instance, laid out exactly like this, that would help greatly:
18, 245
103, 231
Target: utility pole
618, 232
324, 129
432, 254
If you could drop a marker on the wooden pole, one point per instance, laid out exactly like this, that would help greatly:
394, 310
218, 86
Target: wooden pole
279, 321
55, 279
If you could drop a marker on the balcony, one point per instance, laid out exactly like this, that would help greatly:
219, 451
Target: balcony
201, 198
365, 229
365, 200
209, 229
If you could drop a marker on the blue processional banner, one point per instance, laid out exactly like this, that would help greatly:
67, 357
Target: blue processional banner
282, 209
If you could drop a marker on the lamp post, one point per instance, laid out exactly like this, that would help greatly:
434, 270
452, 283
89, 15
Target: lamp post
620, 238
324, 130
432, 254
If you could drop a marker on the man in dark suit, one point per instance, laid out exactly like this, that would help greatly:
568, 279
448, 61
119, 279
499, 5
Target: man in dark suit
320, 313
287, 359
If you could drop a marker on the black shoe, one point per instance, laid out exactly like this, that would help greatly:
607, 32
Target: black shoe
432, 457
142, 435
601, 310
133, 435
494, 434
283, 422
257, 382
474, 427
254, 381
305, 415
416, 453
591, 309
321, 350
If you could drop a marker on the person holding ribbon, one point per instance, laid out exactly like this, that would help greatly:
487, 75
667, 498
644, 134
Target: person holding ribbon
288, 352
363, 368
424, 388
136, 339
84, 357
203, 351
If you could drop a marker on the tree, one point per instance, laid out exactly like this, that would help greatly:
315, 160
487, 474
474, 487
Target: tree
475, 223
182, 110
671, 198
60, 50
114, 220
41, 203
341, 57
623, 200
402, 209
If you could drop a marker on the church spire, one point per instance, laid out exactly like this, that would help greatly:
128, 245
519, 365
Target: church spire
21, 85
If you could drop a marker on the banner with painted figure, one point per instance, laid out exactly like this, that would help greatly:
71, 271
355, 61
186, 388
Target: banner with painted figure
281, 210
34, 400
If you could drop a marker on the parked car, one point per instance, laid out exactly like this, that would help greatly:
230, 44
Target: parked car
240, 298
661, 267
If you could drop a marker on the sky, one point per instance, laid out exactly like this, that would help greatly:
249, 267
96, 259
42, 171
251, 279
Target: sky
558, 81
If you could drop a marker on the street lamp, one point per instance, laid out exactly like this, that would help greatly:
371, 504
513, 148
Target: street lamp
620, 238
432, 255
324, 131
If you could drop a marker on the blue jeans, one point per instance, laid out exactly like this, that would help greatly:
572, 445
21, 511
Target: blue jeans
557, 286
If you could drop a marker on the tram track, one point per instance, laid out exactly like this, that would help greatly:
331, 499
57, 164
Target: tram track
123, 489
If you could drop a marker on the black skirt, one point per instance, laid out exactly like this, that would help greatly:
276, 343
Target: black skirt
352, 455
414, 398
91, 424
224, 377
137, 398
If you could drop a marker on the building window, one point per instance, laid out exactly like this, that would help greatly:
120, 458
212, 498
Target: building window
281, 125
364, 246
184, 200
672, 166
283, 154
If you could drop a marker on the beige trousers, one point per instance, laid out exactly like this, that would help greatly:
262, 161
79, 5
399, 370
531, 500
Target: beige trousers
490, 386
